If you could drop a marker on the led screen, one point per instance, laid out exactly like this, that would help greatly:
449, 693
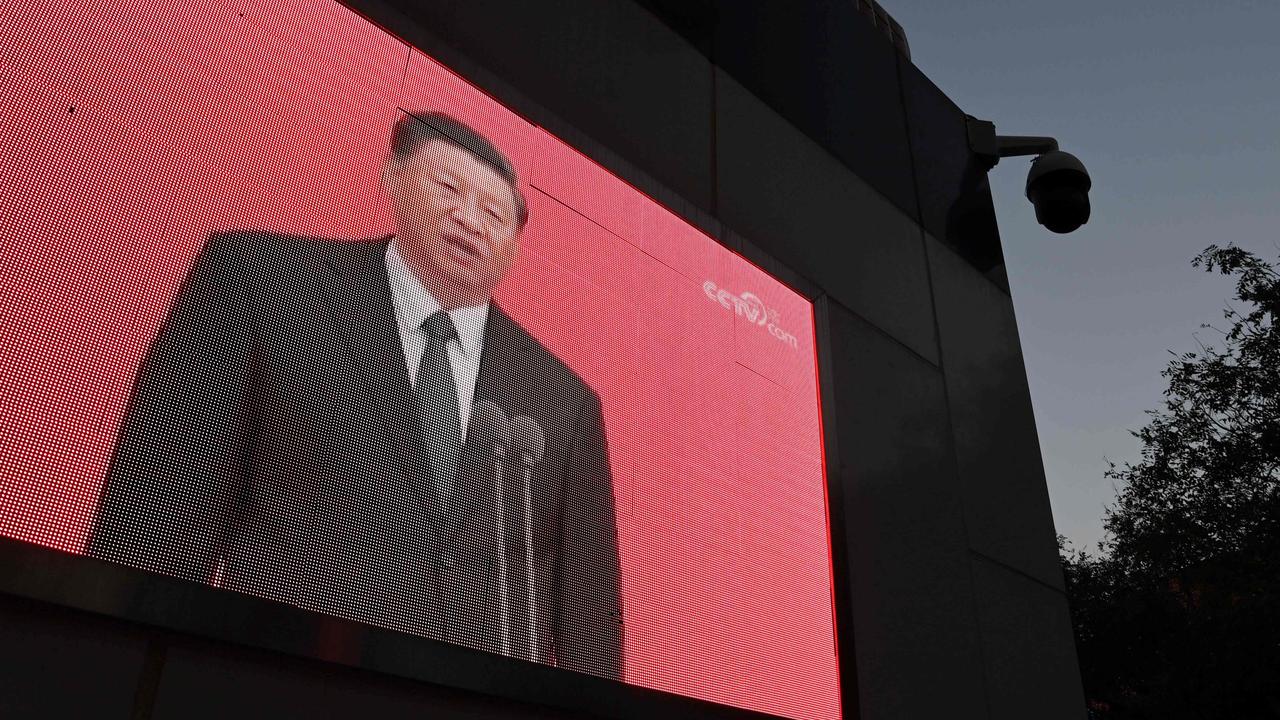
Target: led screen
292, 310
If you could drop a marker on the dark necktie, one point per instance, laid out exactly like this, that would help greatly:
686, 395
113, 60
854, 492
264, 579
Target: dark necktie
438, 404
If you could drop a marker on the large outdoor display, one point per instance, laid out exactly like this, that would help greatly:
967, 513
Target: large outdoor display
292, 310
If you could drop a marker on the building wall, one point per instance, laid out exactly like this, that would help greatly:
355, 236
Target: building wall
801, 137
798, 134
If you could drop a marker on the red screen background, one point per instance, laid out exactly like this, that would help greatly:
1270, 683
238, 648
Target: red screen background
134, 129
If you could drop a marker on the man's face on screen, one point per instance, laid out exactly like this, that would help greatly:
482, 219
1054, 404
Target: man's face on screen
457, 222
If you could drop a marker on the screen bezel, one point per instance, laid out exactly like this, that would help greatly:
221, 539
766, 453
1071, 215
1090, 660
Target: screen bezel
87, 584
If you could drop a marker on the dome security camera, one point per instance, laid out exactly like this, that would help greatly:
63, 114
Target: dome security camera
1058, 185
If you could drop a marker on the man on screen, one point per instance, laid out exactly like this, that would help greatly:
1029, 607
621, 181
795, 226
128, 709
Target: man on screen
326, 423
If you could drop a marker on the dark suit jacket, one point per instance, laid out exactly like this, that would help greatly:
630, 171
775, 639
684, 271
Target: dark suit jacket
272, 443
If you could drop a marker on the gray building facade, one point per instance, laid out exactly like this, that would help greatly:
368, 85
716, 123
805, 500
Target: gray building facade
800, 135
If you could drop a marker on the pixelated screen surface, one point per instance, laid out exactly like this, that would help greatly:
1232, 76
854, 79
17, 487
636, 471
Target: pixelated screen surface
293, 310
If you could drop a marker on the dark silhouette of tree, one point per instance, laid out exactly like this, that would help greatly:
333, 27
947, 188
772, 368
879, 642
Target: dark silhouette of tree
1178, 616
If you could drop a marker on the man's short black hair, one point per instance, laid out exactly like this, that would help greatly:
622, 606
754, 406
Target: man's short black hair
413, 129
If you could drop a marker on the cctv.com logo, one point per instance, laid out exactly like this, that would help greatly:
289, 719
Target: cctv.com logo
750, 308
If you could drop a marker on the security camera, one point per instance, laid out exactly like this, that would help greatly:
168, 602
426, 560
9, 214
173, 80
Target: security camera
1058, 186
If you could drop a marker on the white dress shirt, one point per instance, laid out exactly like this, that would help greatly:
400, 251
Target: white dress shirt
413, 304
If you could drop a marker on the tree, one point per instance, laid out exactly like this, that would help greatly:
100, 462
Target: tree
1179, 615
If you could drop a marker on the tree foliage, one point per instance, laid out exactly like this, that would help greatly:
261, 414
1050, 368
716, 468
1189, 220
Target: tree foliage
1179, 614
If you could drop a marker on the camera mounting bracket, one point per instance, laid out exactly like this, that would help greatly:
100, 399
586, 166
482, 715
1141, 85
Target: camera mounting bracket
990, 147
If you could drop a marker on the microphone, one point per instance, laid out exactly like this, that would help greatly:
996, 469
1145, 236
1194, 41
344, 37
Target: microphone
527, 440
491, 431
529, 444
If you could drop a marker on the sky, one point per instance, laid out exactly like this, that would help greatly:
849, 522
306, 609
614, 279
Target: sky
1174, 107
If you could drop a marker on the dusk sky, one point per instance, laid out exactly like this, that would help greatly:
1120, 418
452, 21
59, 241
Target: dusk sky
1174, 107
